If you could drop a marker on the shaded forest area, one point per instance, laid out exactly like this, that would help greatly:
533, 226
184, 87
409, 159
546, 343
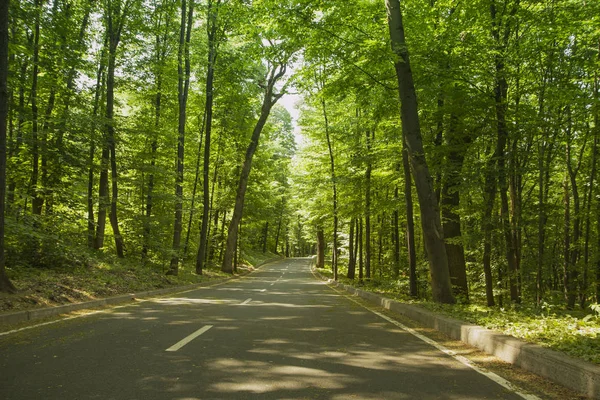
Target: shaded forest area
151, 130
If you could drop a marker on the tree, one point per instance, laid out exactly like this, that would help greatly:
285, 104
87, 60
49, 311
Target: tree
430, 218
275, 73
5, 284
183, 68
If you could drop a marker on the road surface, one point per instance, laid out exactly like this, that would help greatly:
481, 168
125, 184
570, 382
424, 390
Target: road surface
277, 333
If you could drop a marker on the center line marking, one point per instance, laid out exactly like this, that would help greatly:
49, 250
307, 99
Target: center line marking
246, 301
188, 339
264, 290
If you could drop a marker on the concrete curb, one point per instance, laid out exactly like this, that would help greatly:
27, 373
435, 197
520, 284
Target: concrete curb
575, 374
46, 312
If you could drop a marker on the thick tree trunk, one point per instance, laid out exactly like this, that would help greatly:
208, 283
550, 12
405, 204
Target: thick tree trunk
183, 69
430, 218
5, 283
270, 98
450, 203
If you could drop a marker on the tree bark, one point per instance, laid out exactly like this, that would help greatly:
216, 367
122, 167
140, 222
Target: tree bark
430, 218
5, 284
320, 248
37, 200
368, 207
351, 252
211, 29
450, 202
359, 238
100, 83
334, 250
410, 226
183, 69
270, 98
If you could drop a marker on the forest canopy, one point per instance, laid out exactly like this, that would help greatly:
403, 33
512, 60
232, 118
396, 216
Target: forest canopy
448, 147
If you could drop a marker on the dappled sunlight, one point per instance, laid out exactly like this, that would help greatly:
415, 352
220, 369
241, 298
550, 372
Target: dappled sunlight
266, 377
286, 305
316, 329
174, 301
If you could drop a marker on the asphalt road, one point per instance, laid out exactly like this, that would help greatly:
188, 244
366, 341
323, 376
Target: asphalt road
278, 333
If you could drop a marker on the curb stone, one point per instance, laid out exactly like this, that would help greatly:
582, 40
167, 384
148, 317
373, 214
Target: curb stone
46, 312
576, 374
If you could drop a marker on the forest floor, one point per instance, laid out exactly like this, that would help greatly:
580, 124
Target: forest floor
44, 287
572, 332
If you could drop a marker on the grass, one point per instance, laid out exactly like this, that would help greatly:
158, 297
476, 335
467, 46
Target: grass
103, 275
576, 333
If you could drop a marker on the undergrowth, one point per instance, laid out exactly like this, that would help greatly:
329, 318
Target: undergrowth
574, 332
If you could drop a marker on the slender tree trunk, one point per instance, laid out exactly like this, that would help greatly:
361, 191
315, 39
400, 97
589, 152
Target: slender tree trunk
100, 82
396, 234
160, 55
183, 69
368, 208
195, 188
111, 143
588, 213
37, 200
334, 251
281, 211
10, 199
5, 283
410, 226
320, 248
270, 98
596, 138
351, 253
211, 28
571, 244
116, 15
359, 238
265, 237
430, 218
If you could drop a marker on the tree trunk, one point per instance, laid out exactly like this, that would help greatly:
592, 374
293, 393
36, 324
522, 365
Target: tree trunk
320, 248
351, 254
334, 251
359, 238
270, 98
5, 283
183, 69
396, 234
368, 208
430, 218
37, 200
450, 202
211, 28
115, 18
100, 82
410, 226
111, 142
